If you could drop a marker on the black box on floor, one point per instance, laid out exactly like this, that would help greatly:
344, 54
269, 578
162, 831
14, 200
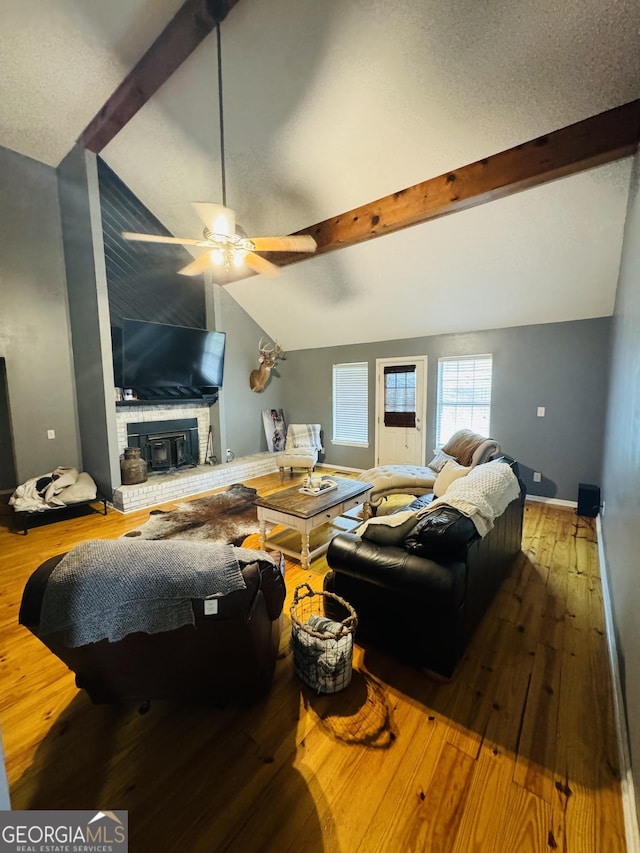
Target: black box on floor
588, 500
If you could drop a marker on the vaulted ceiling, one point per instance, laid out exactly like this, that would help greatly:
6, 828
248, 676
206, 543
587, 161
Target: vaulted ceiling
330, 106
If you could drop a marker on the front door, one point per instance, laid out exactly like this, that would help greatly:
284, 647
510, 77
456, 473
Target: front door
401, 410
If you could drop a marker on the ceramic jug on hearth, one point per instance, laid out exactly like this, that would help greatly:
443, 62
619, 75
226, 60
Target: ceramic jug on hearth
133, 468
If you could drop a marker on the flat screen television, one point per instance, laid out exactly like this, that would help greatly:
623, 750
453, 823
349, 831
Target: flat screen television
156, 355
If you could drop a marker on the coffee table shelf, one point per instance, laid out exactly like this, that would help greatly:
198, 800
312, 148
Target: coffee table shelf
305, 513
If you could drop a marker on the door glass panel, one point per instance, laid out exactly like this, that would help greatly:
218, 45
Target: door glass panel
400, 396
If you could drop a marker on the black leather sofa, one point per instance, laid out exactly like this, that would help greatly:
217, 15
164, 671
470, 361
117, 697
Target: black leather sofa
421, 597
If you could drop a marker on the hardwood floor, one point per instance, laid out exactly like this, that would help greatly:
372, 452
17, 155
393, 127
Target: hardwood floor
516, 753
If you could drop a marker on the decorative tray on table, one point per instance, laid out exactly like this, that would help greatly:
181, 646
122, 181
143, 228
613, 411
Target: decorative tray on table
325, 486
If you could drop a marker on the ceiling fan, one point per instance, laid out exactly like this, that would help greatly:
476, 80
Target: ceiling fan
226, 243
226, 247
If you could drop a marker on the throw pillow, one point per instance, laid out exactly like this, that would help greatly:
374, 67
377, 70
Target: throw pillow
439, 460
451, 471
304, 435
441, 535
462, 444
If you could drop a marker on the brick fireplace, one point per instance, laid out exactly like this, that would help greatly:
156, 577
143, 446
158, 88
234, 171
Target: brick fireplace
150, 417
170, 484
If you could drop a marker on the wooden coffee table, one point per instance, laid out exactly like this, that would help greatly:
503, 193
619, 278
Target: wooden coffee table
304, 513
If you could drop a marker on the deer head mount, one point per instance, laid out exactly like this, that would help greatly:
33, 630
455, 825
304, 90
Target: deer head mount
268, 357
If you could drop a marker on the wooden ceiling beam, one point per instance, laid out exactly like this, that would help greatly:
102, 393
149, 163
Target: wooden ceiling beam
593, 142
188, 28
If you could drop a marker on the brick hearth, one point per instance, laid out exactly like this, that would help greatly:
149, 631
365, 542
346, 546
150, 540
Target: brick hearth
160, 488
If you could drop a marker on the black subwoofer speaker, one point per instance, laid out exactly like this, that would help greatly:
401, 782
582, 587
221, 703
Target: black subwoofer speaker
588, 500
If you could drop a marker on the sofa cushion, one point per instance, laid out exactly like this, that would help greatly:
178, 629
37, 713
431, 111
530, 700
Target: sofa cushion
84, 489
443, 535
398, 480
451, 471
418, 504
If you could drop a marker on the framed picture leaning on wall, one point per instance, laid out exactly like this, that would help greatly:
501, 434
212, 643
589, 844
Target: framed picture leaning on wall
275, 429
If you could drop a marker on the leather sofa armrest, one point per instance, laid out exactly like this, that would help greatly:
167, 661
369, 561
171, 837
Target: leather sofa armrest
33, 594
389, 566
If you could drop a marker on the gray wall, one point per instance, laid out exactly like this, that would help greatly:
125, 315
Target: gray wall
240, 408
89, 316
562, 366
8, 477
34, 323
621, 519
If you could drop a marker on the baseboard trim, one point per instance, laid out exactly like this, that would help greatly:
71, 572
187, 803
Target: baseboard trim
347, 468
554, 501
631, 826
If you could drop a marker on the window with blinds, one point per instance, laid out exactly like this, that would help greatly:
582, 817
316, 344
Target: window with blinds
464, 395
400, 396
351, 403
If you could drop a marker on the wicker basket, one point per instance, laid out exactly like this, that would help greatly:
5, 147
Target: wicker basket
322, 646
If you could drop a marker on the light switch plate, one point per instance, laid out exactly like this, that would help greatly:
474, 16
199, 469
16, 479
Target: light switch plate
537, 477
51, 433
540, 411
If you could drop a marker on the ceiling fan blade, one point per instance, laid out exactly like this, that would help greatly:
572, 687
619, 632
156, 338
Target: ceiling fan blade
293, 243
261, 265
199, 265
218, 218
159, 238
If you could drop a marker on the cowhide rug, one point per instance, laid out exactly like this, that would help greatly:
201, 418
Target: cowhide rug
226, 518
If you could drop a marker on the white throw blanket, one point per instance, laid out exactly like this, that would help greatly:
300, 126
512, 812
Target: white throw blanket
40, 493
482, 496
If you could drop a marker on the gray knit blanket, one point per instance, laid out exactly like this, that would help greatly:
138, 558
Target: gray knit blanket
106, 589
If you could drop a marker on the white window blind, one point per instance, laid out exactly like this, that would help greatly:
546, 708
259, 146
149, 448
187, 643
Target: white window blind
464, 395
351, 403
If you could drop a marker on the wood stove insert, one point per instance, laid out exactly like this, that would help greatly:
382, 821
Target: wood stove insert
166, 445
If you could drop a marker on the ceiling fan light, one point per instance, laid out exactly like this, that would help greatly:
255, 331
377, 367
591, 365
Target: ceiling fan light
217, 257
238, 257
223, 220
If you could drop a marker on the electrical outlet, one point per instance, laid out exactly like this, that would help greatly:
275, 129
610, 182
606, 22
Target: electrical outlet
541, 411
51, 433
537, 477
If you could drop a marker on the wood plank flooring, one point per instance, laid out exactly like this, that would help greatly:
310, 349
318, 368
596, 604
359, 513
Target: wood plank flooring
517, 753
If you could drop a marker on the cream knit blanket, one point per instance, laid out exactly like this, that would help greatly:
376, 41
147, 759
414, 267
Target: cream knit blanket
482, 495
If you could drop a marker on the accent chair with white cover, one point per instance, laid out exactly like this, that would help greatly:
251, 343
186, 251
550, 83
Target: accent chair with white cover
301, 448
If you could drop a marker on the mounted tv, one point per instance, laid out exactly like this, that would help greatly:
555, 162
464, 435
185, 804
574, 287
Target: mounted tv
156, 355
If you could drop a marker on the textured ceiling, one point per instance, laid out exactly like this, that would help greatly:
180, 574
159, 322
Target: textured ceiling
331, 105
